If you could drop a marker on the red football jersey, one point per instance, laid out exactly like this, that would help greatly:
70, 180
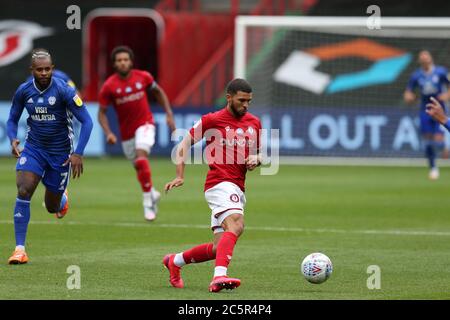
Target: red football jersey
229, 141
129, 98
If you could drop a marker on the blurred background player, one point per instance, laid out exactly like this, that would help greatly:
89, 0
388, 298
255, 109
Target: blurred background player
432, 81
126, 90
48, 153
225, 182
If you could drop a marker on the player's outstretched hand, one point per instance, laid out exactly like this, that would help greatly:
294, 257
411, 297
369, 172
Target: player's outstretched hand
15, 148
76, 162
177, 182
252, 162
111, 138
436, 111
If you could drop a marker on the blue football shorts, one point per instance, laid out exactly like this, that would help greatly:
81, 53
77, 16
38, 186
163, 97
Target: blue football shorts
428, 125
48, 166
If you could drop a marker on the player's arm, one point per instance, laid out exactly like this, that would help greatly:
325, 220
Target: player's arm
162, 99
436, 111
79, 110
195, 134
445, 96
13, 122
104, 99
409, 96
254, 159
180, 159
104, 123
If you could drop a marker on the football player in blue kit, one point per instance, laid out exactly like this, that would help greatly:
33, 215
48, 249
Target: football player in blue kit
56, 73
432, 81
48, 154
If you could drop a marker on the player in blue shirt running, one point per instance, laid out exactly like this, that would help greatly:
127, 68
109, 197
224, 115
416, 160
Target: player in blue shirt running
432, 81
65, 77
48, 154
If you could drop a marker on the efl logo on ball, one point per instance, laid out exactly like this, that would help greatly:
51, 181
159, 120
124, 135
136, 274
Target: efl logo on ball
316, 268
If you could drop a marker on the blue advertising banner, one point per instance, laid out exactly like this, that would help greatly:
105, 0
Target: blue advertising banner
349, 132
305, 131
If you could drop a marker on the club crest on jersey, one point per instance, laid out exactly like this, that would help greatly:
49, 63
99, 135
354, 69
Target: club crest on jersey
51, 100
239, 131
128, 89
77, 100
138, 85
250, 130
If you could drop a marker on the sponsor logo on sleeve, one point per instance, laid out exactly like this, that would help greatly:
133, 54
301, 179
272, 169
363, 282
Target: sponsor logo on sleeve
78, 100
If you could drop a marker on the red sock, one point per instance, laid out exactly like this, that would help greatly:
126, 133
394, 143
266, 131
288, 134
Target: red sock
143, 173
224, 250
200, 253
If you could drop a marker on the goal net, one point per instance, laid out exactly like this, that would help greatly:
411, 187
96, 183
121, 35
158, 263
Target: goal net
334, 85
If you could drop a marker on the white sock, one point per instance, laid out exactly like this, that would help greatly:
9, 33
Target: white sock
148, 201
220, 271
179, 260
155, 194
20, 248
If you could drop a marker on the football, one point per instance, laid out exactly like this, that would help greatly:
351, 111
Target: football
316, 268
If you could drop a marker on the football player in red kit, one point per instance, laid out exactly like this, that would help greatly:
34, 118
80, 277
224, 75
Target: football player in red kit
232, 147
126, 90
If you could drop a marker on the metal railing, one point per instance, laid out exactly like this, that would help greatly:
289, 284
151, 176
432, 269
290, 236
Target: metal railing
209, 82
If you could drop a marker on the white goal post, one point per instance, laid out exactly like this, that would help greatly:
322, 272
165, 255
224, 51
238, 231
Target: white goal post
334, 85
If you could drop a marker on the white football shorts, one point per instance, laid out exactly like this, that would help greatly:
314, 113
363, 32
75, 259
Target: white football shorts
144, 139
224, 199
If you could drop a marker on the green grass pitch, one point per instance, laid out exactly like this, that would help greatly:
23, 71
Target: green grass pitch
391, 217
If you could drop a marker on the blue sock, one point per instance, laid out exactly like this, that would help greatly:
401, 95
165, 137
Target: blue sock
430, 154
21, 219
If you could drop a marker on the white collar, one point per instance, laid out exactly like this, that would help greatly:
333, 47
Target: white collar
41, 92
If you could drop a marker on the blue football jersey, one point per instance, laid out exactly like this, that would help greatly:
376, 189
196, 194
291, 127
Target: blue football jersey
50, 112
429, 84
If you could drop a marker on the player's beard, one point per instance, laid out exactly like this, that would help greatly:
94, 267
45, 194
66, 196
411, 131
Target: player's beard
124, 73
43, 83
235, 111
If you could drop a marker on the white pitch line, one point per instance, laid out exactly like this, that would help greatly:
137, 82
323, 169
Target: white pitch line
275, 229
